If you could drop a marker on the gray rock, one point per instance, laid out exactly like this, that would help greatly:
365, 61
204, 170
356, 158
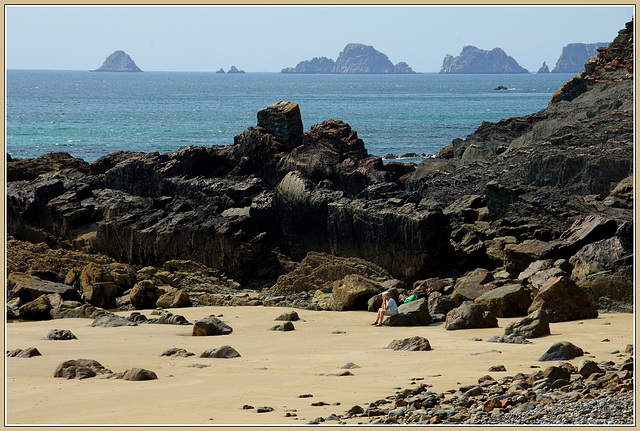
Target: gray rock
138, 374
415, 343
586, 367
112, 322
414, 313
79, 369
562, 350
534, 325
286, 326
177, 351
290, 316
225, 352
470, 315
61, 334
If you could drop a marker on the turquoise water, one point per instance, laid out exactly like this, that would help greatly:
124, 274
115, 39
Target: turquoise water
92, 114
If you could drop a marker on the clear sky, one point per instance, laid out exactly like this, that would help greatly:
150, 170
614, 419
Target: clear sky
269, 38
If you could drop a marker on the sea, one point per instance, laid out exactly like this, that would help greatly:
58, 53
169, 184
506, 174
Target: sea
92, 114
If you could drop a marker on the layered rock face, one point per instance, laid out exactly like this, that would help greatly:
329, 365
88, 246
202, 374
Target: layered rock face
119, 61
574, 55
474, 60
354, 58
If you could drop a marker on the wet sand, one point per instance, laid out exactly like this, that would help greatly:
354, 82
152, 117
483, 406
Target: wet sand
275, 368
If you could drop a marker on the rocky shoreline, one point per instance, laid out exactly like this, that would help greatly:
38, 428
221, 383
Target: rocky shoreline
530, 217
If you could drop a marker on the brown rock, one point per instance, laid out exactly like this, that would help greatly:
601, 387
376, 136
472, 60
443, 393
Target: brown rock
175, 298
472, 285
282, 120
563, 300
506, 301
353, 292
470, 315
144, 295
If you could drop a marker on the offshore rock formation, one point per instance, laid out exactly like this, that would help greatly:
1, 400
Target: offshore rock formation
119, 61
474, 60
574, 56
519, 202
544, 68
354, 58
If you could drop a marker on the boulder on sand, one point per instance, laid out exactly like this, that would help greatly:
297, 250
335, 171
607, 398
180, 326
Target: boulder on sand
562, 300
470, 315
211, 326
561, 351
413, 313
533, 325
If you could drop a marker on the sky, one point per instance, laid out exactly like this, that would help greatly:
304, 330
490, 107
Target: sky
270, 38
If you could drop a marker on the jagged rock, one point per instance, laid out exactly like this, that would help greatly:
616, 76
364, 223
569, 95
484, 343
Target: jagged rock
101, 284
415, 343
319, 271
561, 351
534, 325
586, 367
139, 374
234, 69
225, 351
29, 169
79, 369
544, 68
506, 301
282, 120
474, 60
211, 326
118, 61
175, 298
60, 334
470, 315
518, 257
563, 300
29, 352
472, 285
413, 313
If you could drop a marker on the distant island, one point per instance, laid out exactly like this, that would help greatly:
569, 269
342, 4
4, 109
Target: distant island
575, 55
354, 58
119, 61
233, 69
475, 60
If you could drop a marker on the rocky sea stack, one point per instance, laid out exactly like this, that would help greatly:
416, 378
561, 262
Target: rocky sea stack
575, 55
119, 61
354, 58
537, 210
475, 60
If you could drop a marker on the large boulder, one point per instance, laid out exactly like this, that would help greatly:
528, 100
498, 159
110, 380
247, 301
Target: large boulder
506, 301
563, 300
413, 313
145, 295
38, 309
28, 287
413, 344
353, 292
519, 256
472, 285
282, 119
175, 298
533, 325
79, 369
138, 374
470, 315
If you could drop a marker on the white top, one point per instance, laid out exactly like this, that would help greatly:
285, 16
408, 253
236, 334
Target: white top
392, 305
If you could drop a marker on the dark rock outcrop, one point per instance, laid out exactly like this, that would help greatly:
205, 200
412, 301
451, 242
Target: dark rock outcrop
533, 325
562, 300
211, 326
119, 61
474, 60
561, 351
575, 55
470, 315
60, 334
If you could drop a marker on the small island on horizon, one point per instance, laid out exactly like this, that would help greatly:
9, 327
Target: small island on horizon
118, 61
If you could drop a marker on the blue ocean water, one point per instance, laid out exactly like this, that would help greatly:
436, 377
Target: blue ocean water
90, 114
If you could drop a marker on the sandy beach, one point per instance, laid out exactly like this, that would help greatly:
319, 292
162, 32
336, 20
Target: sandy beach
274, 370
